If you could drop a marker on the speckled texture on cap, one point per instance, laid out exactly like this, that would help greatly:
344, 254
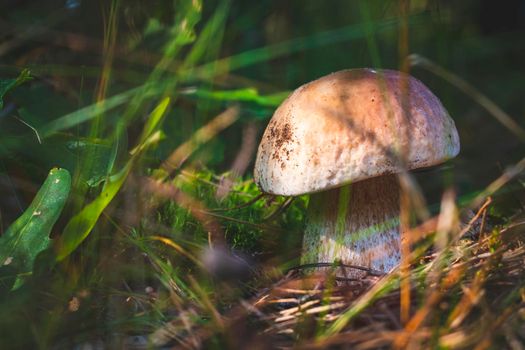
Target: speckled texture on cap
348, 126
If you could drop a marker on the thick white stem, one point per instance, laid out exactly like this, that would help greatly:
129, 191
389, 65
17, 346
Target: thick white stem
356, 224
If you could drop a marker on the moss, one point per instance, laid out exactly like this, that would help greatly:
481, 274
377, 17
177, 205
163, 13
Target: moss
243, 224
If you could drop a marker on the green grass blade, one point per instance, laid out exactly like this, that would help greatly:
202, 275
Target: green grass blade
154, 120
87, 113
239, 95
81, 225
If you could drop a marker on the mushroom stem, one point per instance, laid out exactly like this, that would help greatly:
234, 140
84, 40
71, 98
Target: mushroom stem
357, 224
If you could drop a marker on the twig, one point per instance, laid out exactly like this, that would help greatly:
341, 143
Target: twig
279, 209
370, 271
244, 205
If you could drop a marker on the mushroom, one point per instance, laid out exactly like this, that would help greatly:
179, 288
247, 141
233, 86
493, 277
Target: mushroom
342, 139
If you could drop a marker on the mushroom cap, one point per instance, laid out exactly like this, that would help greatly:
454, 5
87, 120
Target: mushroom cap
349, 126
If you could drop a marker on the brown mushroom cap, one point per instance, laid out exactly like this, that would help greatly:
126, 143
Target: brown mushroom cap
348, 126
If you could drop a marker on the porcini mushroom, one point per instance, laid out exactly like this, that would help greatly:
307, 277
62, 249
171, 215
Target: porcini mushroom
340, 139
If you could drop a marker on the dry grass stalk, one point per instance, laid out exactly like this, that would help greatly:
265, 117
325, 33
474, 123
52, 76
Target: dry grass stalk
455, 289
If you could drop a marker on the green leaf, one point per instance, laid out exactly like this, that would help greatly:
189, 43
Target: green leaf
9, 84
81, 225
29, 234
